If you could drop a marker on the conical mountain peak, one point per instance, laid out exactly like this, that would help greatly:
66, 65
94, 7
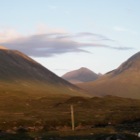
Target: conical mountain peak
80, 75
84, 69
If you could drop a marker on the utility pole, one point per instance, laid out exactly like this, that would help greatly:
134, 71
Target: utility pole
72, 117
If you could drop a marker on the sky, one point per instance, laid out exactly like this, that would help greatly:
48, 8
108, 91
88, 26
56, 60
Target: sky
64, 35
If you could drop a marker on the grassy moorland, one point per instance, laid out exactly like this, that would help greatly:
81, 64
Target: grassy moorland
48, 115
52, 112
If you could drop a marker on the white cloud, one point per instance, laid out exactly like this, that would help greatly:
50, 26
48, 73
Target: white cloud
47, 41
52, 43
8, 35
43, 29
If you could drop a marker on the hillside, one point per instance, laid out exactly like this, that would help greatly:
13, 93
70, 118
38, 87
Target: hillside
21, 74
81, 75
33, 97
123, 81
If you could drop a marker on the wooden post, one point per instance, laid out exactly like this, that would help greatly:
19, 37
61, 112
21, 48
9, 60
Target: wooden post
72, 117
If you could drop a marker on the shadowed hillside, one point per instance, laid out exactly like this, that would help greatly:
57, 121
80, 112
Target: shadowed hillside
123, 81
20, 73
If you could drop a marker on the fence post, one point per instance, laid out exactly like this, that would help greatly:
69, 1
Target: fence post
72, 117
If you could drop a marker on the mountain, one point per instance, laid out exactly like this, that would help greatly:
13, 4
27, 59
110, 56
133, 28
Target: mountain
123, 81
81, 75
21, 74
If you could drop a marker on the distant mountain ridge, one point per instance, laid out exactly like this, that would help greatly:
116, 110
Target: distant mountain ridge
81, 75
123, 81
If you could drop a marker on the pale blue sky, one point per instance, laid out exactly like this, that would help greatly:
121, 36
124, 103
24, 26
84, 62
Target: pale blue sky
64, 35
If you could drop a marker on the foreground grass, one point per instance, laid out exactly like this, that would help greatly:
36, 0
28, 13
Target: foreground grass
49, 112
49, 117
69, 135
